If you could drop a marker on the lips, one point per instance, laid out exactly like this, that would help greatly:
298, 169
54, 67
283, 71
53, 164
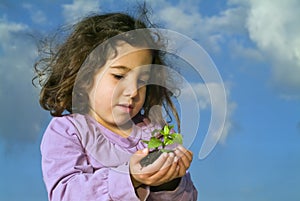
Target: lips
126, 107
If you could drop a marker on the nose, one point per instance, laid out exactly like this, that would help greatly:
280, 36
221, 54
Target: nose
131, 88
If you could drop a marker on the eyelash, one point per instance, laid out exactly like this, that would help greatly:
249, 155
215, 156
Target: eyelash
119, 77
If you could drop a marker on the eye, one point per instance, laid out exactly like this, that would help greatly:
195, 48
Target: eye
118, 77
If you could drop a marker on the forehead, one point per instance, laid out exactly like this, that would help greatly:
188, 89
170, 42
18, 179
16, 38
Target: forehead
131, 57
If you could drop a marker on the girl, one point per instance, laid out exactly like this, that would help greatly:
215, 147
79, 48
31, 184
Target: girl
100, 93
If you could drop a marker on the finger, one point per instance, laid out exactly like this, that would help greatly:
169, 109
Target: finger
156, 165
182, 168
185, 152
139, 155
173, 171
185, 162
167, 172
136, 158
169, 161
185, 159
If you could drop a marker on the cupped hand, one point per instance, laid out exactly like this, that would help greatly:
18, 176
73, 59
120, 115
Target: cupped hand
167, 167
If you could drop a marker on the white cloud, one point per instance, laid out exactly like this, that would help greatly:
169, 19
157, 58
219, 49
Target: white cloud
211, 31
20, 115
239, 51
273, 28
230, 21
6, 29
179, 20
37, 16
79, 8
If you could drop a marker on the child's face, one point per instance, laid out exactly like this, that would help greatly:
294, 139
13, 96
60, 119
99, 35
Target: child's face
119, 89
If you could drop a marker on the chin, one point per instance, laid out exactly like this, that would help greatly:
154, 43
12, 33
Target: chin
124, 122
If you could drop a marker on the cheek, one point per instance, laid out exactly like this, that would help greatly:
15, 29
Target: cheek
104, 94
100, 95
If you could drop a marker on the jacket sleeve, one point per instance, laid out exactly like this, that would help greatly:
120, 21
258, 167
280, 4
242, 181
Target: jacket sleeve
68, 175
185, 191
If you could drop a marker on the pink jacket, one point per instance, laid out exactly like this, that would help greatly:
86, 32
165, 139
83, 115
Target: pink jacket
82, 160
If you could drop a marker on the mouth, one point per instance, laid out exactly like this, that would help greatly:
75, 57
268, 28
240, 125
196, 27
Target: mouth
126, 107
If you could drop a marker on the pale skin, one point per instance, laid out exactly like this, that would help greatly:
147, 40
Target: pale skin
117, 95
166, 168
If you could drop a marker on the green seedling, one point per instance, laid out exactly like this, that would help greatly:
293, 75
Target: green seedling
159, 141
167, 139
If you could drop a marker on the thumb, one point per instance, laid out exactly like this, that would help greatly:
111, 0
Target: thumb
139, 155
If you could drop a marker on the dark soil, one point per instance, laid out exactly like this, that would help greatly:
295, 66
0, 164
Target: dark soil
150, 158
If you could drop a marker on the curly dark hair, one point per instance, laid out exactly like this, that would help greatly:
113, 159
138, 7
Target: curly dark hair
58, 70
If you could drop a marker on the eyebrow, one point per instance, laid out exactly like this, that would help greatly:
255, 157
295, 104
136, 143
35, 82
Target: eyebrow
126, 69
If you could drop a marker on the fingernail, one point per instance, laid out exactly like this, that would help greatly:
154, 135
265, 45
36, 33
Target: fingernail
165, 154
179, 147
175, 159
145, 151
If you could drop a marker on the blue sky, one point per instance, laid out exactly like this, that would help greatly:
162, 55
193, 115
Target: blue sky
255, 47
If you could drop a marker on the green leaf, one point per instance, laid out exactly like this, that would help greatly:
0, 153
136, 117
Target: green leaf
168, 138
155, 131
154, 143
177, 138
168, 141
166, 129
